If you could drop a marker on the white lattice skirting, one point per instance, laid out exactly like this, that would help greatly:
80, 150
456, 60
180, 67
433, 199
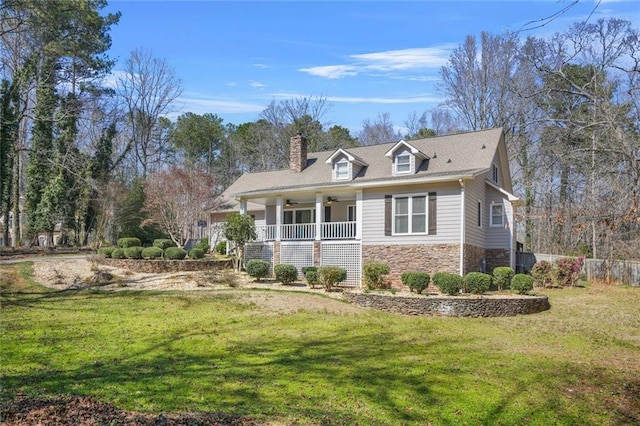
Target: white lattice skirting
345, 255
297, 254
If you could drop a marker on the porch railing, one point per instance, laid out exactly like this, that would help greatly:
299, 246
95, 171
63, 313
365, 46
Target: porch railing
307, 231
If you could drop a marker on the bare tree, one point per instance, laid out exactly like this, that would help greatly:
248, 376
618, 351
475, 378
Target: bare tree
148, 87
381, 130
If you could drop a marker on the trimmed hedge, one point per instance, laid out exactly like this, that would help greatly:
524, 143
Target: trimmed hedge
117, 253
418, 281
196, 253
522, 283
163, 243
284, 273
152, 253
133, 252
203, 245
502, 277
311, 275
175, 253
257, 268
331, 275
106, 251
374, 273
221, 247
448, 283
127, 242
477, 282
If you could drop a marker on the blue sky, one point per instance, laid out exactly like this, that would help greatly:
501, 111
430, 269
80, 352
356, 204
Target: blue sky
365, 58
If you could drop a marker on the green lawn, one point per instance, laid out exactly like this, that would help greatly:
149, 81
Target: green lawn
169, 352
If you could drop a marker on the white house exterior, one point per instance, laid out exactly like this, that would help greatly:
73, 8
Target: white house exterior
436, 204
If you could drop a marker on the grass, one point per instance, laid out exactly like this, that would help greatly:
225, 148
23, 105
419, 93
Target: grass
164, 352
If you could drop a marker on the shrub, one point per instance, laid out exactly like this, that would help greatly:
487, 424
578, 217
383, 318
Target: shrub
502, 276
477, 282
331, 275
286, 274
133, 252
203, 245
311, 275
567, 271
417, 281
448, 283
374, 273
257, 268
117, 253
175, 253
163, 243
221, 247
106, 251
522, 283
196, 253
541, 274
151, 253
129, 242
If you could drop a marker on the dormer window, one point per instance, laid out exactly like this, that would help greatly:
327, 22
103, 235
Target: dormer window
403, 163
342, 170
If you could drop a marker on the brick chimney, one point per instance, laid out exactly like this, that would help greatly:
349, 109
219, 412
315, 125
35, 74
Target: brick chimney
298, 153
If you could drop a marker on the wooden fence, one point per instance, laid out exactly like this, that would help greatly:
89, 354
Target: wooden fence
609, 271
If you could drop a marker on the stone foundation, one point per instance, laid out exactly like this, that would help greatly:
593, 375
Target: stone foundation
456, 306
416, 257
161, 266
473, 256
497, 257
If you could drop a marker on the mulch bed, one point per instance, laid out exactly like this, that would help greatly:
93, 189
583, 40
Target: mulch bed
84, 411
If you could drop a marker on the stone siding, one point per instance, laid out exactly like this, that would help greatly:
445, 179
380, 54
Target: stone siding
417, 257
497, 257
473, 256
457, 306
161, 266
298, 153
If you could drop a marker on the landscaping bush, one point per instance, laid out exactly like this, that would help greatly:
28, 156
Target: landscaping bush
106, 251
374, 273
522, 283
477, 282
196, 253
221, 247
448, 283
331, 275
286, 274
203, 245
151, 253
567, 271
133, 252
541, 274
257, 268
127, 242
502, 277
416, 281
163, 243
311, 275
175, 253
117, 253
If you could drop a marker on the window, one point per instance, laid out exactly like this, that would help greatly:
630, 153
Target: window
351, 213
497, 215
403, 163
342, 170
410, 214
479, 214
299, 216
494, 172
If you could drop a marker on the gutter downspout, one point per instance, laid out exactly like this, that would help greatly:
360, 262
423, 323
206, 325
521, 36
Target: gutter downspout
462, 226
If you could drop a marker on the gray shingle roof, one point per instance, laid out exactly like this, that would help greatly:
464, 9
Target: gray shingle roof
450, 156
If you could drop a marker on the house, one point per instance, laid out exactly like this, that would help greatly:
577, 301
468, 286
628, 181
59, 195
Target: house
437, 204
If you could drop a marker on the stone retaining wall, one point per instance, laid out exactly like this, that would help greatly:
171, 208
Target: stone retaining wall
161, 266
457, 306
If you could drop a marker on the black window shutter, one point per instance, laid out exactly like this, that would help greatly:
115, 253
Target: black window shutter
433, 217
387, 215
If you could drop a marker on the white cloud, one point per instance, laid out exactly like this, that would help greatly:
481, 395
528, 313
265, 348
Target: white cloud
366, 100
259, 65
257, 84
232, 84
422, 58
218, 106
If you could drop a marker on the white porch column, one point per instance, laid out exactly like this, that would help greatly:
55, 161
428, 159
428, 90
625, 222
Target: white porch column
278, 217
359, 215
319, 216
462, 226
243, 206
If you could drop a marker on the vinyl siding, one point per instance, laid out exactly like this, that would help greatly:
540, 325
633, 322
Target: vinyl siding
475, 191
448, 217
498, 237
